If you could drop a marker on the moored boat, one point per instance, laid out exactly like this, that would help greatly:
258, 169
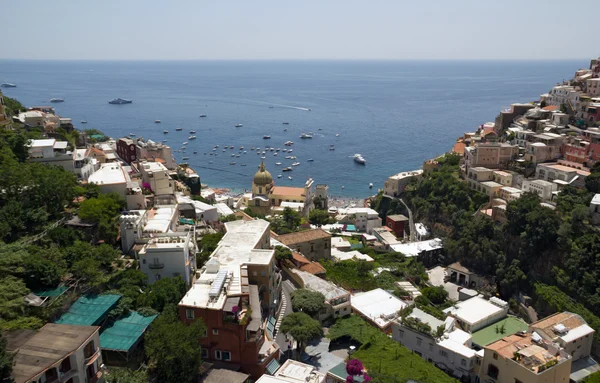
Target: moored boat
359, 159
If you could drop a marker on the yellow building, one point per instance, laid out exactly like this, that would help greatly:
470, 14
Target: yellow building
266, 197
5, 122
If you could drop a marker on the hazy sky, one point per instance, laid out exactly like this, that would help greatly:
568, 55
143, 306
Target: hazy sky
305, 29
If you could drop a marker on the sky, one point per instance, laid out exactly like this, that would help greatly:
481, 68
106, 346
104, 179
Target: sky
306, 29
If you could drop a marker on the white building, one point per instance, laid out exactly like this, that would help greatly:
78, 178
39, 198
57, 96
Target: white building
378, 307
53, 152
477, 313
223, 210
169, 255
395, 185
83, 164
157, 176
569, 330
421, 248
542, 188
293, 371
363, 218
564, 95
150, 150
337, 300
203, 211
112, 178
451, 352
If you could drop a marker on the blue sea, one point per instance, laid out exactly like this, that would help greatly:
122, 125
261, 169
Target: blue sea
395, 113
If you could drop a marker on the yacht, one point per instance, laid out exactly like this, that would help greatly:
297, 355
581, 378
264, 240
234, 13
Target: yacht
359, 159
265, 137
296, 164
203, 115
238, 125
165, 131
179, 129
279, 176
305, 135
57, 100
8, 85
157, 121
119, 101
274, 154
289, 143
290, 150
191, 137
288, 169
185, 143
192, 132
288, 157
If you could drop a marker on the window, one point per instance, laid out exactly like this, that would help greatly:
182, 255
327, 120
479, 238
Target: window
463, 362
218, 355
419, 341
144, 261
263, 273
443, 353
492, 371
215, 331
204, 353
189, 314
226, 355
495, 356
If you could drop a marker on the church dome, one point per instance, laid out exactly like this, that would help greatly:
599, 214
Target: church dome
262, 176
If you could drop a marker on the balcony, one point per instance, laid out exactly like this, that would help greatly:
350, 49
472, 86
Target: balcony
92, 358
156, 265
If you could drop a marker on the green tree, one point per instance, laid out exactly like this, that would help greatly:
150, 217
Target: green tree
173, 348
319, 217
88, 269
12, 294
282, 253
162, 293
307, 301
41, 272
437, 295
103, 210
302, 328
122, 375
5, 360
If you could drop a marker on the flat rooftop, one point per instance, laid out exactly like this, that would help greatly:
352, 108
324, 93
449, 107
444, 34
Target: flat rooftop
491, 333
378, 305
413, 249
108, 174
474, 310
328, 289
48, 142
402, 175
566, 326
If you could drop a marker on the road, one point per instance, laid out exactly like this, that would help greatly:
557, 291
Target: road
286, 301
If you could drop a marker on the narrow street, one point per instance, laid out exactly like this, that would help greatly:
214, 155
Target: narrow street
286, 301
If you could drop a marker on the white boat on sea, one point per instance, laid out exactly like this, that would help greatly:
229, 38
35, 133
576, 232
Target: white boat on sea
203, 115
57, 100
192, 132
265, 137
359, 159
185, 143
119, 101
178, 129
306, 135
238, 125
371, 185
191, 137
83, 121
157, 121
289, 143
132, 134
186, 158
279, 176
232, 163
165, 131
296, 164
290, 178
8, 85
278, 163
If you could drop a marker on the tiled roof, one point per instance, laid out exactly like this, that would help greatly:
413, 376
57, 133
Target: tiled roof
288, 191
303, 236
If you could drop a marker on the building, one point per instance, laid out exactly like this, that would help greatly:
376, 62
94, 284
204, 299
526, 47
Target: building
266, 197
508, 193
450, 352
476, 313
5, 120
536, 152
568, 330
595, 209
53, 152
303, 264
490, 155
395, 185
201, 211
561, 174
314, 244
155, 176
364, 219
397, 223
385, 236
524, 358
428, 249
155, 151
337, 300
113, 178
542, 188
502, 177
293, 371
126, 149
32, 118
238, 284
56, 353
507, 116
321, 200
378, 307
83, 164
169, 255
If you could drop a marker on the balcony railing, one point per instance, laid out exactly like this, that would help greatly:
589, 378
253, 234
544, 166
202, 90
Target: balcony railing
91, 358
156, 265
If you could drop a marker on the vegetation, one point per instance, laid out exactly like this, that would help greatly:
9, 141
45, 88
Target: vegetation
288, 222
163, 293
307, 301
5, 360
173, 348
119, 375
437, 295
282, 253
103, 210
320, 217
13, 107
385, 359
302, 328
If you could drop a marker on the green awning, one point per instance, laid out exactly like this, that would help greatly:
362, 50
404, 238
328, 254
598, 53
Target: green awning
125, 332
51, 292
89, 310
273, 366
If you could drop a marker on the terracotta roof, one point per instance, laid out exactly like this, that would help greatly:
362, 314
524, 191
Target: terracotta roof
299, 258
287, 190
314, 268
507, 346
569, 320
459, 148
303, 236
550, 108
458, 267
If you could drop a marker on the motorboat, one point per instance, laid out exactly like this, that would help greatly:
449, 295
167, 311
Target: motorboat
296, 164
290, 150
337, 135
8, 85
178, 129
192, 132
274, 154
203, 115
119, 101
285, 130
278, 163
83, 121
231, 147
289, 143
186, 158
232, 163
233, 155
288, 157
265, 137
165, 131
57, 100
185, 143
279, 176
252, 148
196, 152
157, 121
359, 159
238, 125
332, 148
237, 155
288, 169
241, 148
310, 160
132, 134
306, 135
286, 123
371, 185
243, 164
263, 158
272, 149
191, 137
290, 178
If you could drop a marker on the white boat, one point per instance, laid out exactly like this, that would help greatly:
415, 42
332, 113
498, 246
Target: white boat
288, 169
306, 135
231, 147
179, 129
233, 155
165, 131
119, 101
157, 121
290, 150
274, 154
192, 132
252, 148
288, 157
191, 137
232, 163
296, 164
337, 135
278, 163
185, 143
371, 185
332, 148
290, 177
132, 134
263, 158
265, 137
186, 158
83, 121
57, 100
237, 155
8, 85
272, 149
203, 115
279, 176
359, 159
238, 125
289, 143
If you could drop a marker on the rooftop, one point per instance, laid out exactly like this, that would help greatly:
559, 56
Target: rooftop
414, 249
378, 305
89, 310
303, 236
293, 371
109, 173
328, 289
288, 191
455, 341
458, 267
397, 218
47, 142
348, 255
402, 175
491, 333
566, 326
50, 345
474, 310
425, 318
306, 265
124, 333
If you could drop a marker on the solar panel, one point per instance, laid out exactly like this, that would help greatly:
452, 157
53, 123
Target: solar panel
218, 283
